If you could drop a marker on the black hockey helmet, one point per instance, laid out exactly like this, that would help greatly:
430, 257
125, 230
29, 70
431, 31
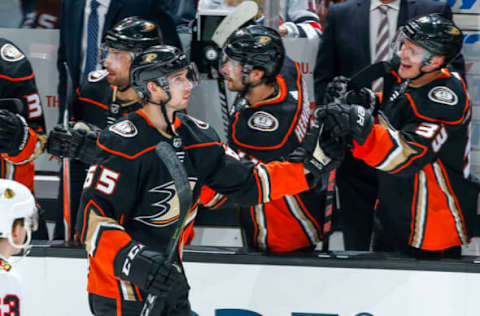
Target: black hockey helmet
156, 64
436, 34
256, 47
133, 34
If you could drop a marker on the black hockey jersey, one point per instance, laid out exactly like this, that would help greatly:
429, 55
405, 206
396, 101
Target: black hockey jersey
270, 130
97, 102
17, 80
422, 144
129, 194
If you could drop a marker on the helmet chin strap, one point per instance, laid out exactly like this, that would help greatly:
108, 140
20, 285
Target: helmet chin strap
163, 108
123, 89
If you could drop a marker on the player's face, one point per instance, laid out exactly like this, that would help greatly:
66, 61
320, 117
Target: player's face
411, 59
117, 63
181, 86
232, 71
19, 235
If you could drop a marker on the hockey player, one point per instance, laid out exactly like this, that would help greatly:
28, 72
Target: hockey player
129, 207
420, 141
18, 217
271, 115
22, 135
105, 97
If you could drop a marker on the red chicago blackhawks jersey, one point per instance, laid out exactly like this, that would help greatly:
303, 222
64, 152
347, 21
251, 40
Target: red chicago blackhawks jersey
17, 80
422, 144
129, 194
97, 102
268, 131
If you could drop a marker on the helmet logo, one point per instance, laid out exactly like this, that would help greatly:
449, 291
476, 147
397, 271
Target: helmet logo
8, 193
263, 39
454, 31
149, 57
147, 26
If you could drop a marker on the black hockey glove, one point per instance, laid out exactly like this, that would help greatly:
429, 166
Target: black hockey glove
364, 97
147, 269
348, 120
336, 90
13, 133
78, 142
313, 156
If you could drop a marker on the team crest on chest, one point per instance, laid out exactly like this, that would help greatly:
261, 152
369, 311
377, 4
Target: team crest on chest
11, 53
97, 75
124, 128
263, 121
167, 204
443, 95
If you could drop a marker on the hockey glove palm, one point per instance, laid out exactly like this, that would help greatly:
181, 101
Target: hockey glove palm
313, 156
349, 120
13, 133
147, 269
78, 142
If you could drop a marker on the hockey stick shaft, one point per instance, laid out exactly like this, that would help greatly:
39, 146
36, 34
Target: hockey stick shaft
66, 194
185, 197
223, 103
328, 214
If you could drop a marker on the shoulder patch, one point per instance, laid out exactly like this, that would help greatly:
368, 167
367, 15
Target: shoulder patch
11, 53
263, 121
443, 95
199, 123
97, 75
124, 129
4, 265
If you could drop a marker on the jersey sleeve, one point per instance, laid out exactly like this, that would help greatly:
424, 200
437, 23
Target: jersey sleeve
407, 150
100, 218
18, 81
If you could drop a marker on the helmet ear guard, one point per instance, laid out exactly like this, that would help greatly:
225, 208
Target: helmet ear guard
16, 202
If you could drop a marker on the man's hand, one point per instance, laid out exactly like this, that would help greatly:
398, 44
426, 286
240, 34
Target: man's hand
13, 133
312, 153
351, 120
147, 269
336, 90
77, 142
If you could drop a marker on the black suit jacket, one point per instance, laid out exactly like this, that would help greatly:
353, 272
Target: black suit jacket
345, 46
71, 26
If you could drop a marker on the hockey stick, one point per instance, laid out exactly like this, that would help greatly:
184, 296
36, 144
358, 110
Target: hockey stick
362, 78
185, 197
65, 161
244, 12
13, 105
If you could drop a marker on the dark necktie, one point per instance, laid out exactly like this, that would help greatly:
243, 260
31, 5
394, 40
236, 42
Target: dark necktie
92, 39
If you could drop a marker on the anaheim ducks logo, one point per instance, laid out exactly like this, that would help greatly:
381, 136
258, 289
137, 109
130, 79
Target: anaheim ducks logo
149, 57
262, 39
168, 204
147, 26
443, 95
263, 121
10, 53
124, 128
454, 31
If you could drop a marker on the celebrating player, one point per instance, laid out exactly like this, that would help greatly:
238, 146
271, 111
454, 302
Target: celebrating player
105, 97
129, 207
420, 142
269, 120
18, 217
